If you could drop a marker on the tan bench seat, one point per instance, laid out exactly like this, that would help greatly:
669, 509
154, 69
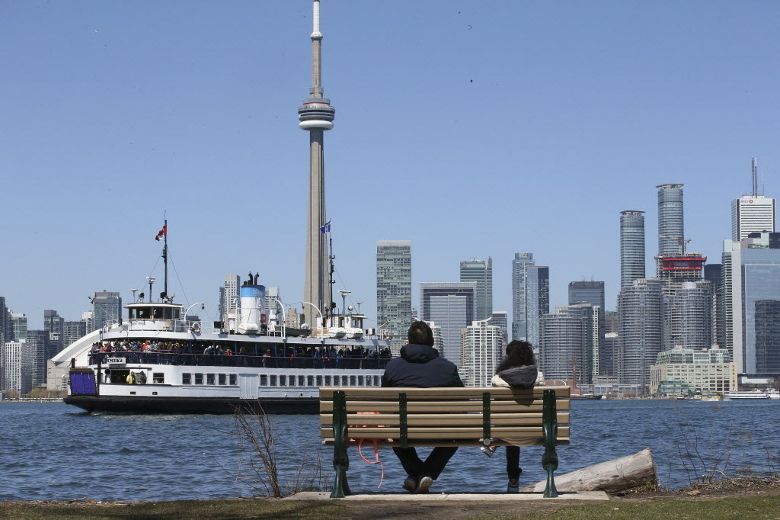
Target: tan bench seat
402, 417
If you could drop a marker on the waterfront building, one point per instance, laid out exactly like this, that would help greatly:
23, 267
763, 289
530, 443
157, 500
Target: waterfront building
685, 371
106, 309
689, 312
437, 337
725, 338
15, 368
480, 271
500, 320
6, 329
40, 351
767, 324
714, 275
394, 290
752, 213
481, 347
754, 268
71, 331
18, 326
608, 354
671, 229
640, 331
537, 300
230, 302
89, 321
632, 246
591, 292
451, 305
566, 346
54, 324
520, 265
316, 116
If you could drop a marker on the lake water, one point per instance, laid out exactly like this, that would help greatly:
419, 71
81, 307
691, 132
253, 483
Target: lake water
55, 451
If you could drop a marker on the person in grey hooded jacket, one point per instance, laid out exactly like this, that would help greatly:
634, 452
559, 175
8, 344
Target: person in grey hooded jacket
516, 370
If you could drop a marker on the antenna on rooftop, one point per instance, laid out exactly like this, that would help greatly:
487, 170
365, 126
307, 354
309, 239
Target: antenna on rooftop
754, 170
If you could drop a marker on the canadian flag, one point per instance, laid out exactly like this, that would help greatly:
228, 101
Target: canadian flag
162, 233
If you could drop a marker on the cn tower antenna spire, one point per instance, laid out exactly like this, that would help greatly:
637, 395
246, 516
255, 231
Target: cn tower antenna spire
315, 116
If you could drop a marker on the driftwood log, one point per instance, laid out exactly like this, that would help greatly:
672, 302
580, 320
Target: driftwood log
612, 476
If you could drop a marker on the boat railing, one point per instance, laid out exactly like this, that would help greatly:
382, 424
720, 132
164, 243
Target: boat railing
237, 360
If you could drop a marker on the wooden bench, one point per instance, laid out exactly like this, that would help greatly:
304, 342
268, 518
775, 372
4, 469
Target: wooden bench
403, 417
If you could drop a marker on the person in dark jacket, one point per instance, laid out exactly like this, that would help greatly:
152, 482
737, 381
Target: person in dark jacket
420, 366
516, 370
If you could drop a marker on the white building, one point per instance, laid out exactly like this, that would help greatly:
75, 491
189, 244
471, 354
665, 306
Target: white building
230, 301
16, 364
682, 371
752, 214
482, 345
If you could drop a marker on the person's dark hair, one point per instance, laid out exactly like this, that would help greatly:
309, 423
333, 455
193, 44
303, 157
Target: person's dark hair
420, 334
518, 354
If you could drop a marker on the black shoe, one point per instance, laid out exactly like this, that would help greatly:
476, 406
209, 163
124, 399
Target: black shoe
424, 484
513, 486
410, 484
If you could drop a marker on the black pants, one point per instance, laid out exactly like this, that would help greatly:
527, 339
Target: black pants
432, 466
513, 462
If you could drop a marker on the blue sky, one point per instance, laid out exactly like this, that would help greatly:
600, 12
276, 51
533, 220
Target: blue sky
473, 129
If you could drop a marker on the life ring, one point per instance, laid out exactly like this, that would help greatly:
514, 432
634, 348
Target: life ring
195, 327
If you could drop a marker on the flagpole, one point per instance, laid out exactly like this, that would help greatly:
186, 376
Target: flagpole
165, 259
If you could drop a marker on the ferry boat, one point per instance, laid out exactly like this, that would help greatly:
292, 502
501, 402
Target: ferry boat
160, 360
753, 394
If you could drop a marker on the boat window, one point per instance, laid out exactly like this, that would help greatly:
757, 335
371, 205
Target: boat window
273, 379
344, 380
360, 381
186, 379
158, 378
198, 379
222, 379
233, 379
142, 314
209, 379
352, 381
376, 381
319, 380
263, 380
157, 313
301, 381
167, 313
282, 380
310, 380
327, 380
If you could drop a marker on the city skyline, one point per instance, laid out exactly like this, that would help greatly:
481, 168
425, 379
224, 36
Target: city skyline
142, 136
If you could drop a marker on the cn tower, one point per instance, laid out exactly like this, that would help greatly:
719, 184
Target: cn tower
315, 116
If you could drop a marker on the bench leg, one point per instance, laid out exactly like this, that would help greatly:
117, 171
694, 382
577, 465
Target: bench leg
340, 440
550, 429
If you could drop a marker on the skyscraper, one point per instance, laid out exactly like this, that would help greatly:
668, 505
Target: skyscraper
690, 311
566, 345
482, 345
53, 323
230, 302
40, 352
18, 326
315, 116
632, 246
15, 371
394, 289
671, 230
106, 309
73, 330
754, 277
520, 265
767, 337
537, 300
480, 271
752, 213
6, 332
500, 320
450, 305
640, 331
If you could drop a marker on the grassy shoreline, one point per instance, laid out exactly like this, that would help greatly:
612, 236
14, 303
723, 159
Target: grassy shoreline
743, 498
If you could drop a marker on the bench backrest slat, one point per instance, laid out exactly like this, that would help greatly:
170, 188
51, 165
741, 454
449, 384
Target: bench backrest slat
440, 416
